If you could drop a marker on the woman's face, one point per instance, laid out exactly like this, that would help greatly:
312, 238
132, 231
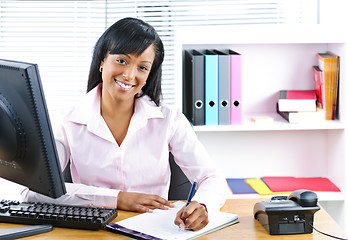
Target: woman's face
124, 75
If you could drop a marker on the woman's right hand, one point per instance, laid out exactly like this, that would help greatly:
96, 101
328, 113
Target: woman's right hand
141, 202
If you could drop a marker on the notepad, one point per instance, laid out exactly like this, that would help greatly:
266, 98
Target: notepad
160, 225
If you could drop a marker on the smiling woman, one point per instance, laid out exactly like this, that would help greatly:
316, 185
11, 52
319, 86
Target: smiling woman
136, 47
128, 55
128, 71
126, 58
118, 138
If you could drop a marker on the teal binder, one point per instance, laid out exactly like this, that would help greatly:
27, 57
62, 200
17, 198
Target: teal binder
211, 88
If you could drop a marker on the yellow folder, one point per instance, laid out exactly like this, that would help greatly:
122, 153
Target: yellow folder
260, 187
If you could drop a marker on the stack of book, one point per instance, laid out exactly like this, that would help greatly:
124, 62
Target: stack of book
212, 87
326, 76
299, 106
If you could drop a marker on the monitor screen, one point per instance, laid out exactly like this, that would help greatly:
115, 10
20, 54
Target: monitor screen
28, 154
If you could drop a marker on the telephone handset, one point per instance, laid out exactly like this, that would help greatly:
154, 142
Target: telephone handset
304, 198
291, 214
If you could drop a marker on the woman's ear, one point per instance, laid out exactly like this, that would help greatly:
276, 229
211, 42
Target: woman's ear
101, 66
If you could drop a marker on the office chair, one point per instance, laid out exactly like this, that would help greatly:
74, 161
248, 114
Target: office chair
179, 184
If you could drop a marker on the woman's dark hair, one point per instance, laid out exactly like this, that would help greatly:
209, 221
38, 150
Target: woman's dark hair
129, 36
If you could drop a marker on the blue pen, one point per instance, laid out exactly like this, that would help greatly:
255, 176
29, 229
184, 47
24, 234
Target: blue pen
189, 198
192, 190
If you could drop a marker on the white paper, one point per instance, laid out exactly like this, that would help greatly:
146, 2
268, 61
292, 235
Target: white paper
160, 223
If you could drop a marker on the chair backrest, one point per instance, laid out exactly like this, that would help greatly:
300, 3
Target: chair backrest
179, 184
67, 173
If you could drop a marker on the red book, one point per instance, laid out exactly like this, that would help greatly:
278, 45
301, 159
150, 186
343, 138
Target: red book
319, 86
297, 101
290, 184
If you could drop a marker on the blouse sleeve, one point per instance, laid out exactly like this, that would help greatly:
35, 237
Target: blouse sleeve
193, 159
77, 194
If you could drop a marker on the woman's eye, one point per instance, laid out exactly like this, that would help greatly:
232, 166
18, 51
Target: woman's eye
121, 60
144, 68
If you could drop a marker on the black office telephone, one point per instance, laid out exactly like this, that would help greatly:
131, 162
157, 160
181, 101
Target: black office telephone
293, 214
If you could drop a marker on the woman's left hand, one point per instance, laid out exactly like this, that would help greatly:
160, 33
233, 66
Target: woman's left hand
194, 216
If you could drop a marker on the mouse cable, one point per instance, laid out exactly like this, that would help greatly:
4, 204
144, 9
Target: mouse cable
325, 233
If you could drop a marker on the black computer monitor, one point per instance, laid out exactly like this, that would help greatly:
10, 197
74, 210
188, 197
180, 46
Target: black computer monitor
28, 154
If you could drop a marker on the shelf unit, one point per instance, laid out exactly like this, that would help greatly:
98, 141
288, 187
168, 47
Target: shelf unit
275, 57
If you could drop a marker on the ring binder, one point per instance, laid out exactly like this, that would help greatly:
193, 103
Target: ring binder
211, 88
193, 87
224, 87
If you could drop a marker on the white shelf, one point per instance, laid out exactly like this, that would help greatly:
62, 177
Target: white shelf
274, 58
279, 124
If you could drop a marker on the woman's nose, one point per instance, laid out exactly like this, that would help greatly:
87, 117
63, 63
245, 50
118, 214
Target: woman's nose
129, 73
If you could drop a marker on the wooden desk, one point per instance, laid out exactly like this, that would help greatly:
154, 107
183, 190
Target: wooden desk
247, 228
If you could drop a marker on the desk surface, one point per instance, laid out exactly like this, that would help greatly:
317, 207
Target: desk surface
247, 228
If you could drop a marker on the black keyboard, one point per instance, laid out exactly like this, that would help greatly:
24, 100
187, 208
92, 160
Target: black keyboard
92, 218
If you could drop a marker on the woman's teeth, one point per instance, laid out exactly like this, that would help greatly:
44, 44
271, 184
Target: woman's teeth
123, 85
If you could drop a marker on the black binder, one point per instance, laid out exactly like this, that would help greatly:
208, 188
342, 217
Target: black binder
193, 87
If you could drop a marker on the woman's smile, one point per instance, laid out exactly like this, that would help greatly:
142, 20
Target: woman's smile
124, 86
